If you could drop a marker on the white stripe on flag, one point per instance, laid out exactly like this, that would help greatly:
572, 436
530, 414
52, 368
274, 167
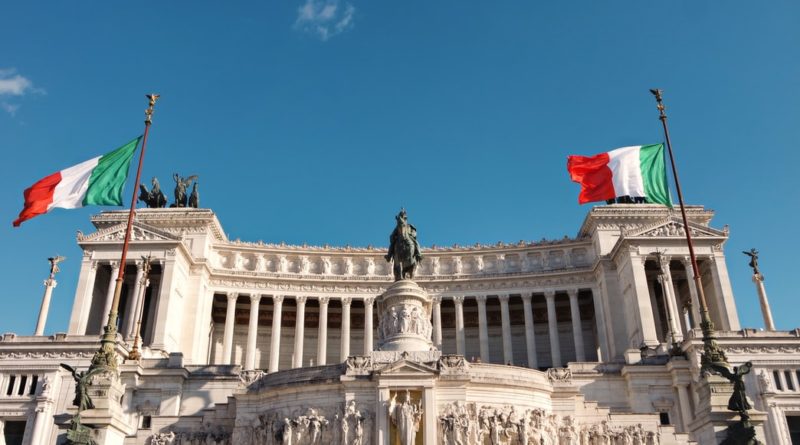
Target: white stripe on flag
70, 191
626, 171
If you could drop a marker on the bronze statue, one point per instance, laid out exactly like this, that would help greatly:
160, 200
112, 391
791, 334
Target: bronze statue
181, 184
82, 379
54, 264
404, 249
154, 198
194, 198
753, 254
738, 401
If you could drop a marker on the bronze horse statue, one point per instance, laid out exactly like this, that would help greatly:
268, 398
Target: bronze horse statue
404, 249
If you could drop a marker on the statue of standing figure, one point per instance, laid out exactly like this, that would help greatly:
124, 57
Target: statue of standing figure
753, 254
82, 380
404, 249
181, 185
405, 417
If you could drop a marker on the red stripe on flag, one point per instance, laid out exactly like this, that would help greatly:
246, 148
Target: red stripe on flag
38, 197
594, 176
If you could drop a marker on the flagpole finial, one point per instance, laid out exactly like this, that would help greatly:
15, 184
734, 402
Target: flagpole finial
148, 113
657, 93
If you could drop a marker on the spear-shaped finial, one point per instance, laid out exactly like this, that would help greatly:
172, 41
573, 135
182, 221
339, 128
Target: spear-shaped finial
148, 113
657, 93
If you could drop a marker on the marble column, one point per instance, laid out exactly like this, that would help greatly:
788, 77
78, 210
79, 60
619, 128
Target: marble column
483, 328
672, 303
508, 354
437, 321
41, 419
690, 283
459, 304
322, 335
685, 406
230, 321
275, 335
552, 324
651, 288
642, 308
49, 285
2, 432
368, 303
112, 282
133, 302
83, 298
299, 331
577, 328
530, 335
252, 333
766, 312
345, 346
602, 330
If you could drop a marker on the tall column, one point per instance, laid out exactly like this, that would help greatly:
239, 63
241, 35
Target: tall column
483, 331
530, 335
230, 320
345, 348
2, 432
642, 308
724, 293
672, 303
758, 279
437, 322
252, 333
686, 407
368, 302
164, 305
459, 303
83, 298
133, 302
600, 320
275, 339
651, 287
110, 293
49, 285
322, 336
552, 324
508, 354
40, 421
687, 265
299, 332
577, 329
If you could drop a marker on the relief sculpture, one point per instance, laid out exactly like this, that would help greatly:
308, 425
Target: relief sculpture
405, 319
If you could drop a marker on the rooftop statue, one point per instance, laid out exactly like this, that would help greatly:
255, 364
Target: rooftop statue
153, 198
404, 249
181, 185
194, 198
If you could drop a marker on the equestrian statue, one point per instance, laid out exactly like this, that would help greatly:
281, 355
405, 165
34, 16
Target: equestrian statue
404, 249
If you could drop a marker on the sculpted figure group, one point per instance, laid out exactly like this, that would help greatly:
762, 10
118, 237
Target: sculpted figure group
404, 319
155, 198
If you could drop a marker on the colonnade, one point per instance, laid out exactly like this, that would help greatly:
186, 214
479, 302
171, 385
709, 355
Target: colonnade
249, 361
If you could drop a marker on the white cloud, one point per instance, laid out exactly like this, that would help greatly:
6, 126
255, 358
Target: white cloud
13, 84
325, 18
9, 108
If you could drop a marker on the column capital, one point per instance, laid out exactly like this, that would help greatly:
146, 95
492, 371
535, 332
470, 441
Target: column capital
93, 265
369, 301
301, 300
51, 282
573, 293
481, 299
323, 301
232, 296
526, 297
277, 299
436, 299
346, 301
549, 293
255, 298
458, 299
114, 265
503, 298
139, 265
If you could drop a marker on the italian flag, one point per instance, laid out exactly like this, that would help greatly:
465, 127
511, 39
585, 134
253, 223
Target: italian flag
638, 172
98, 181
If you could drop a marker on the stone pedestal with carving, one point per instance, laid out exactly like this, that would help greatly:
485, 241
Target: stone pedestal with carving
109, 424
404, 323
712, 415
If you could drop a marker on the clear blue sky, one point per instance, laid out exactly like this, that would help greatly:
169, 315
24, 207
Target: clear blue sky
303, 119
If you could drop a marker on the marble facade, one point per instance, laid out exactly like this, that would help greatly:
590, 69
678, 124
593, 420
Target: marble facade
556, 341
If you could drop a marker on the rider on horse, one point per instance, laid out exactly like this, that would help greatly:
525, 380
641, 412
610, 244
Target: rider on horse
403, 248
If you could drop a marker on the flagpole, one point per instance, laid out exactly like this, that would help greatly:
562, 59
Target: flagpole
106, 356
711, 351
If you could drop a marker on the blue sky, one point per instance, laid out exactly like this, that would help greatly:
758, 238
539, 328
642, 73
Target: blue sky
314, 121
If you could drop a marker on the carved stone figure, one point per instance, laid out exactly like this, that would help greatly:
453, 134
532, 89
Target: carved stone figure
404, 249
261, 264
305, 264
181, 185
458, 266
406, 417
153, 198
162, 438
370, 266
348, 266
327, 266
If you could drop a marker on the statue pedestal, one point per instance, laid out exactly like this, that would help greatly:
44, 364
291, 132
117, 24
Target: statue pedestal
712, 417
108, 423
404, 323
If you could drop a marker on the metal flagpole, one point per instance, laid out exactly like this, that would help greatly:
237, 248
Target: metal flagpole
711, 351
106, 356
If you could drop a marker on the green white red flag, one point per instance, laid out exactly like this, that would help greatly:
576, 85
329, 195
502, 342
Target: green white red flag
98, 181
638, 172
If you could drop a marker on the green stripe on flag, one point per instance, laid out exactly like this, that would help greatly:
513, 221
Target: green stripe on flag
108, 178
654, 174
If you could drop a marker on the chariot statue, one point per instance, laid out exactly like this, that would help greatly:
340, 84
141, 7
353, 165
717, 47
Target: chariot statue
404, 249
153, 198
181, 185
